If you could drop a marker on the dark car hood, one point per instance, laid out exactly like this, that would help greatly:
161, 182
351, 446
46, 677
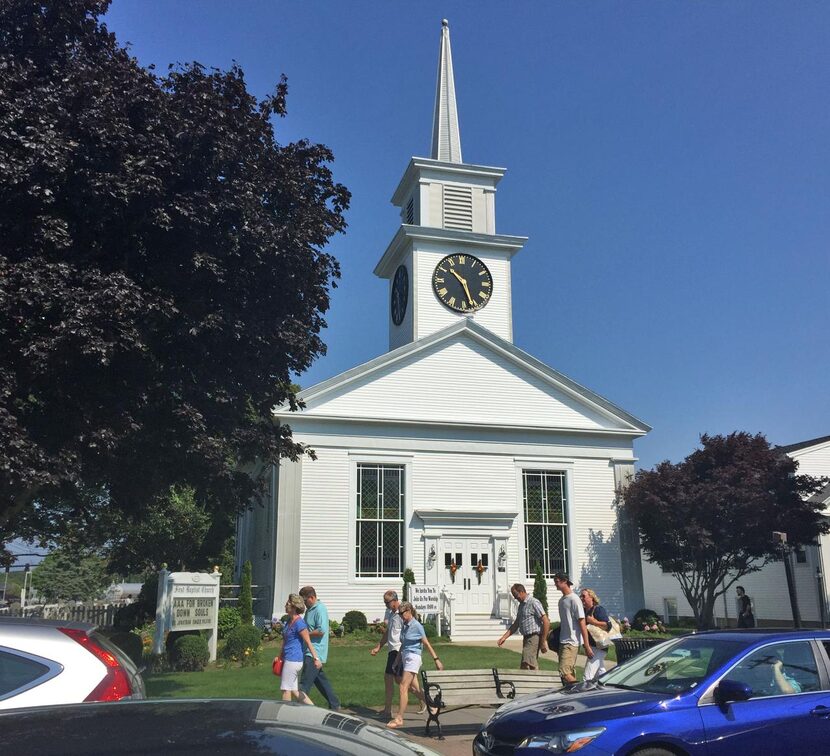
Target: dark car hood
577, 704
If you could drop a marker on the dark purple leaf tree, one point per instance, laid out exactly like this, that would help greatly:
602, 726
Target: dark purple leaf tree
163, 271
709, 519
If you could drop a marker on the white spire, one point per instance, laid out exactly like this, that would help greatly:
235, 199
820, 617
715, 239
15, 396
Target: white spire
446, 139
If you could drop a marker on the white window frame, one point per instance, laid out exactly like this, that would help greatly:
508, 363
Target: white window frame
546, 466
368, 458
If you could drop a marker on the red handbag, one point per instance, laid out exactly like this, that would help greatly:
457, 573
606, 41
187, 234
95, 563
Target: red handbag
277, 665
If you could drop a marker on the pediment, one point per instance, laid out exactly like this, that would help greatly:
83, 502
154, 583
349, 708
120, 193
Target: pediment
464, 375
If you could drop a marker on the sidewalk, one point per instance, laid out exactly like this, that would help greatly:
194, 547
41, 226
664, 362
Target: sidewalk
458, 726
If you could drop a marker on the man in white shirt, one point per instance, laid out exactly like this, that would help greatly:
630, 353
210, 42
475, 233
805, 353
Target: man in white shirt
392, 638
572, 628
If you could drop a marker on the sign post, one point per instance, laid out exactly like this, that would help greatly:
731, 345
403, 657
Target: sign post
187, 601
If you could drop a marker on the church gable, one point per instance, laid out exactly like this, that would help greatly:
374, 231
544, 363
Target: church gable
468, 376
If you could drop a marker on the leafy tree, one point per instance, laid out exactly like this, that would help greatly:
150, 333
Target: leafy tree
68, 575
173, 529
246, 598
540, 587
709, 519
162, 271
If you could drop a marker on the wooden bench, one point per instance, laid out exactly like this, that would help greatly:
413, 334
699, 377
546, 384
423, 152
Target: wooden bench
527, 681
479, 687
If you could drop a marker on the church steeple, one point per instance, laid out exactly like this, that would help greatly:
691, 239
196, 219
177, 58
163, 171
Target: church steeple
448, 218
446, 139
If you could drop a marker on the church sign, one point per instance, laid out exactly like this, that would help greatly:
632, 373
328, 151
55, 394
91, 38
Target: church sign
187, 601
425, 598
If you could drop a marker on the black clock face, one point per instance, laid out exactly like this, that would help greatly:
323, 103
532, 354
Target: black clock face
462, 283
400, 294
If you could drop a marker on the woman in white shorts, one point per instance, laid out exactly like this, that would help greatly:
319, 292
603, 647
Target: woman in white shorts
413, 639
294, 634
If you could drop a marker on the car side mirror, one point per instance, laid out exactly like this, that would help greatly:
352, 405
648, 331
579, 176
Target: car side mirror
732, 690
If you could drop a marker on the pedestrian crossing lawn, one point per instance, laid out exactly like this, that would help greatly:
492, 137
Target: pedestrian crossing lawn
356, 676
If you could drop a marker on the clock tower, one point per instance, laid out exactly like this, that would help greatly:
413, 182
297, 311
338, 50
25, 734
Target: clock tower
446, 261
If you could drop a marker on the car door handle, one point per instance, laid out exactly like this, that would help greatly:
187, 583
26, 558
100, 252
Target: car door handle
821, 711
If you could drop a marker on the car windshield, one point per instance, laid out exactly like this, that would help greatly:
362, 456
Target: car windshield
675, 666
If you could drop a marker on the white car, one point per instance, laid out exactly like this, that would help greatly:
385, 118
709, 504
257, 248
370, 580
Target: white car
46, 662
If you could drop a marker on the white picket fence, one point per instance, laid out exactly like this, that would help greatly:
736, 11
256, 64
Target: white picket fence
100, 614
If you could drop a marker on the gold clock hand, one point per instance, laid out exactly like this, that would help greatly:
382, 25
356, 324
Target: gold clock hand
469, 298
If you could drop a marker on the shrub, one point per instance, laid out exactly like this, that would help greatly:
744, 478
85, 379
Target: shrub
246, 598
540, 588
334, 627
127, 617
229, 618
130, 644
242, 645
142, 610
191, 653
354, 620
170, 644
646, 618
430, 630
408, 577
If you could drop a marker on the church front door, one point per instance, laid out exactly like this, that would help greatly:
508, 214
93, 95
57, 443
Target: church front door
472, 583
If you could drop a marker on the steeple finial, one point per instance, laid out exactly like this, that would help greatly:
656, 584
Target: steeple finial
446, 139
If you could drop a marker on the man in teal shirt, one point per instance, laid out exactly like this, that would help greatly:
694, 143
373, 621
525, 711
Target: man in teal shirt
317, 619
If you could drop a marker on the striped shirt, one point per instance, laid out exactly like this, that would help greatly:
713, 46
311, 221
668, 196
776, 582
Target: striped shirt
530, 616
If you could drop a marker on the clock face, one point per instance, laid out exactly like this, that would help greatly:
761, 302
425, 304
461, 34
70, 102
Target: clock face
400, 294
462, 283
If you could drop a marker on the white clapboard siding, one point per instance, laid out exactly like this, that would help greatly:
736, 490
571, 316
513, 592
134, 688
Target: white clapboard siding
458, 380
767, 588
813, 460
486, 482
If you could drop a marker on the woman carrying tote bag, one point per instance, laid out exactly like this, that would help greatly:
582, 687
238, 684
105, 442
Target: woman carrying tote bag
595, 617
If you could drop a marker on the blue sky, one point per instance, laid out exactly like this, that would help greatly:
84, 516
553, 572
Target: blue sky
669, 161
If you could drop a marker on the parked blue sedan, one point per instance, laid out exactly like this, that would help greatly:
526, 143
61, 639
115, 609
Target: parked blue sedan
713, 693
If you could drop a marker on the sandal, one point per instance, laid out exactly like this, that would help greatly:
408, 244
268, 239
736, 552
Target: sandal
395, 723
423, 709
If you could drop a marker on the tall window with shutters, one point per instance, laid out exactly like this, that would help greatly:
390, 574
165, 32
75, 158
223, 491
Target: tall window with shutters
546, 521
380, 512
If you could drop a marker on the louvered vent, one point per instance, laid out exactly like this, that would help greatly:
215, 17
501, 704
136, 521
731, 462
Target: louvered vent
409, 215
458, 207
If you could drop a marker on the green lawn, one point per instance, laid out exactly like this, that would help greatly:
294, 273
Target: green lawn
355, 674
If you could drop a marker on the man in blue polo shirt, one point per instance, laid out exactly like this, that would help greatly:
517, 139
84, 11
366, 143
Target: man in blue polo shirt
317, 619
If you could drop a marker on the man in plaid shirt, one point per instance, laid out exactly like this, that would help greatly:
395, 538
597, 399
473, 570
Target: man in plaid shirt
532, 622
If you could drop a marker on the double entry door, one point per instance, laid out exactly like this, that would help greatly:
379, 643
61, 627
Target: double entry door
472, 579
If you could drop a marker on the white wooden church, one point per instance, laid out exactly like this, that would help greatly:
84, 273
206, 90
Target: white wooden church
455, 453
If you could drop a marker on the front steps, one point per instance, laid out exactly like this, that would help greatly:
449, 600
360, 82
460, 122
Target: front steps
477, 627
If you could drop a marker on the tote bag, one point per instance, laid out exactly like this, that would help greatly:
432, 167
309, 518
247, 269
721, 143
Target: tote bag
605, 638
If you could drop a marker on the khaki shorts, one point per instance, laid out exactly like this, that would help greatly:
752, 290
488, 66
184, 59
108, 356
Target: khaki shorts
567, 660
530, 651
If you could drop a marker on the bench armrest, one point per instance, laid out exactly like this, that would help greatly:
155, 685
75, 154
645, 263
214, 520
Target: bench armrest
502, 686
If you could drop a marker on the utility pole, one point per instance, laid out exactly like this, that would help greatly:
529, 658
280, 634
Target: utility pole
781, 538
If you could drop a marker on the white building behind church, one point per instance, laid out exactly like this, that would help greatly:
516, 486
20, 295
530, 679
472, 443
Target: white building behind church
455, 454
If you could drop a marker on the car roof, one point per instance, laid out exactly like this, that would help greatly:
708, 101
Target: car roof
196, 726
758, 635
38, 622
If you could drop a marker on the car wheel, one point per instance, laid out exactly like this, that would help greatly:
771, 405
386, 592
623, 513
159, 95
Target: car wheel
654, 752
